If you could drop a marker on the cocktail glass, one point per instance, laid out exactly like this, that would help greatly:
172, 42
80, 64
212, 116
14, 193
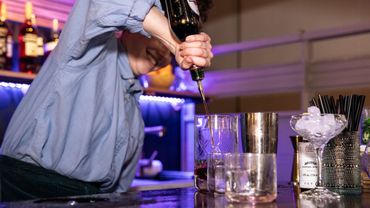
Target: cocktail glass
318, 129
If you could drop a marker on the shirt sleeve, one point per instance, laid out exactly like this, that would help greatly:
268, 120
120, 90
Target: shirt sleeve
133, 21
105, 16
110, 15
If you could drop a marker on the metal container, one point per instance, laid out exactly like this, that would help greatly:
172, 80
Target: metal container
341, 164
261, 132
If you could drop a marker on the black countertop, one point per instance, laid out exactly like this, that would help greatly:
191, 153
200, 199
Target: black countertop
184, 197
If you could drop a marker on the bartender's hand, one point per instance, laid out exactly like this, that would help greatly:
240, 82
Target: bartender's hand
145, 54
195, 50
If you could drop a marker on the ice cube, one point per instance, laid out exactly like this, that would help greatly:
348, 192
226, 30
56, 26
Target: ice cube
313, 110
328, 119
325, 129
302, 123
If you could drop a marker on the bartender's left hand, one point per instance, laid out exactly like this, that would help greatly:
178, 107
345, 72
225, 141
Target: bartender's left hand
195, 50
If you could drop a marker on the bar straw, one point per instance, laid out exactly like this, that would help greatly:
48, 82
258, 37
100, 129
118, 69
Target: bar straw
349, 105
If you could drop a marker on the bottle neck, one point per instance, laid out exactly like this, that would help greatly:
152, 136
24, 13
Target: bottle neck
3, 11
55, 35
28, 22
28, 27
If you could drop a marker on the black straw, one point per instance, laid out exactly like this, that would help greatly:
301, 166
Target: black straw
349, 105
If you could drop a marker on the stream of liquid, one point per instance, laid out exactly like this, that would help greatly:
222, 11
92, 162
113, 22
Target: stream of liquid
200, 172
205, 106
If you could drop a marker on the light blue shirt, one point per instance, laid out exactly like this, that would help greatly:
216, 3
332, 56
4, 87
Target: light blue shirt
81, 116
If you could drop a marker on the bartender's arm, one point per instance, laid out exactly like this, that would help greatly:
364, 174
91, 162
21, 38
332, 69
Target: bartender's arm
147, 54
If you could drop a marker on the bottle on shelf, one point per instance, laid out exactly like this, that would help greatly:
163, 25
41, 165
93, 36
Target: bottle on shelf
307, 165
40, 46
27, 39
6, 40
52, 43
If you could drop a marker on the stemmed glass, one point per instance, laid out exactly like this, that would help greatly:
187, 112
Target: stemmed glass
318, 129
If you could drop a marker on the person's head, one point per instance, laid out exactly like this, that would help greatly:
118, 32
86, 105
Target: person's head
145, 54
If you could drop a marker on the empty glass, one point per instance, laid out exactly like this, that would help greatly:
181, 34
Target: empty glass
250, 177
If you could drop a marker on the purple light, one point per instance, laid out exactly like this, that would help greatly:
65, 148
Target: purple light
255, 44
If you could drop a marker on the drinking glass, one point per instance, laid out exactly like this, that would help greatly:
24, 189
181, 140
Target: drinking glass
250, 177
216, 133
318, 129
216, 172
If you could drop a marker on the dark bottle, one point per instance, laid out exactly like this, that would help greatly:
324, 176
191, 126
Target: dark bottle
39, 60
184, 19
6, 40
27, 40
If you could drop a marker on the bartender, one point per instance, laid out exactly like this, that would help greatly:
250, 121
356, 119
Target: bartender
80, 121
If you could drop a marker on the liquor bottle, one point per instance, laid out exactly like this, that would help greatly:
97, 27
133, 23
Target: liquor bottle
6, 40
307, 165
40, 46
27, 39
55, 31
184, 19
295, 140
52, 43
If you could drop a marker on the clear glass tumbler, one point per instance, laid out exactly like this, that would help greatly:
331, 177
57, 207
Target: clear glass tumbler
250, 177
216, 173
216, 133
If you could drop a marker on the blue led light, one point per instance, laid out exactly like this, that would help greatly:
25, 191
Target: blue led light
171, 100
143, 98
14, 85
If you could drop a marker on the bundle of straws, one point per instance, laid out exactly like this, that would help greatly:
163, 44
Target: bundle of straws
349, 105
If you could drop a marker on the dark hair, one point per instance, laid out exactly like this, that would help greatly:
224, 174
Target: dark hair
204, 6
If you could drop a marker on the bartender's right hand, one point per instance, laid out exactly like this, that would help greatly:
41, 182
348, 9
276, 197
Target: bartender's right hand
195, 50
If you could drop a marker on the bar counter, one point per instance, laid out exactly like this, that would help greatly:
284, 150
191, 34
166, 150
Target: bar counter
184, 197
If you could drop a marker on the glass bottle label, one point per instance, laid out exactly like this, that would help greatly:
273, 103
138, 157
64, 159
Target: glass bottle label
3, 33
307, 165
40, 46
193, 5
2, 45
30, 41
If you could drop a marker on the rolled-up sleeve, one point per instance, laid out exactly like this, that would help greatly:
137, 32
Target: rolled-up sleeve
118, 14
100, 17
